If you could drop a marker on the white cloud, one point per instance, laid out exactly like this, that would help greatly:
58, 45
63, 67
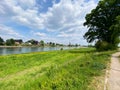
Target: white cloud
40, 34
64, 35
27, 3
66, 16
20, 11
7, 32
63, 14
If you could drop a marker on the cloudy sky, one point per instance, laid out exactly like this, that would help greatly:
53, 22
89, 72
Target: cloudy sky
58, 21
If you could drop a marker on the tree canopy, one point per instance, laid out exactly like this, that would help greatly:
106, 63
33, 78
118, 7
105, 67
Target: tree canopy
33, 42
42, 43
10, 42
1, 41
104, 23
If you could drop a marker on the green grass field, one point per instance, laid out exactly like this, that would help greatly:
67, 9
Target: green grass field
77, 69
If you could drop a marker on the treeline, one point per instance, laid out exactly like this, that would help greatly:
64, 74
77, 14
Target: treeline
32, 42
10, 42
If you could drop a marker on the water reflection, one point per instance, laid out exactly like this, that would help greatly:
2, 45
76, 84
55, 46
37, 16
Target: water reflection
18, 50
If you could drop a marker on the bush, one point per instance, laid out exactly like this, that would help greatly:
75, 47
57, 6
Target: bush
104, 46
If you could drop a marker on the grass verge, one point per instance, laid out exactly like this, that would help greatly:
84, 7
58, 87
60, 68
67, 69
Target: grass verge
77, 69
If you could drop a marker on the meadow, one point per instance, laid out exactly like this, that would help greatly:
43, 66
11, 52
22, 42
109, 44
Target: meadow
76, 69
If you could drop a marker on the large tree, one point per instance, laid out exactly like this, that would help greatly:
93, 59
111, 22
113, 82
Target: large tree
10, 42
1, 41
42, 43
104, 24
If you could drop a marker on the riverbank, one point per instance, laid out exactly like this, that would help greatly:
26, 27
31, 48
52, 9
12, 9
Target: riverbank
36, 46
9, 46
19, 46
75, 69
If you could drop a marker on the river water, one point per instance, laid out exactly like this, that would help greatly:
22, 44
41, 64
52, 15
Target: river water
19, 50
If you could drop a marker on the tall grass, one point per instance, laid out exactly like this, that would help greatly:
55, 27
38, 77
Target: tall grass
56, 70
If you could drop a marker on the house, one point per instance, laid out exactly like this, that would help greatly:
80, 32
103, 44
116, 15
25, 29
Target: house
18, 42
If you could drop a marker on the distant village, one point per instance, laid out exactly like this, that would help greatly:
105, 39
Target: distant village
32, 42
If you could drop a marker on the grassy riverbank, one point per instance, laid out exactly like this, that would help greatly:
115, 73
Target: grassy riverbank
77, 69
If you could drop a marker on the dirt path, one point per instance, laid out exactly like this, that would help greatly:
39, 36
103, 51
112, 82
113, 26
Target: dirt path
113, 80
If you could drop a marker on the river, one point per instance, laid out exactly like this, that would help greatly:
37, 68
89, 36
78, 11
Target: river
19, 50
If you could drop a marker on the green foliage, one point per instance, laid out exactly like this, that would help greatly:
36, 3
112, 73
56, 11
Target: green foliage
10, 42
98, 66
42, 43
104, 23
116, 28
33, 42
1, 41
104, 46
52, 44
55, 70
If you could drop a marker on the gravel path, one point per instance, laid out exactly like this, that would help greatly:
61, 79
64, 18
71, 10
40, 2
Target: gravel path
113, 80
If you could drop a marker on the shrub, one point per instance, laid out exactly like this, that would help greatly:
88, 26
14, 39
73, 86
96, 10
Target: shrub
104, 46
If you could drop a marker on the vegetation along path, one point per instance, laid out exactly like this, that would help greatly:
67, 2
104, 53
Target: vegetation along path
75, 69
114, 73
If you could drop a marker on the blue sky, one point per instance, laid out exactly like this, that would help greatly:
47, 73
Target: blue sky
58, 21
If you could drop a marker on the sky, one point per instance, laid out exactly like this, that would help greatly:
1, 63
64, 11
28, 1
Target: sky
59, 21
